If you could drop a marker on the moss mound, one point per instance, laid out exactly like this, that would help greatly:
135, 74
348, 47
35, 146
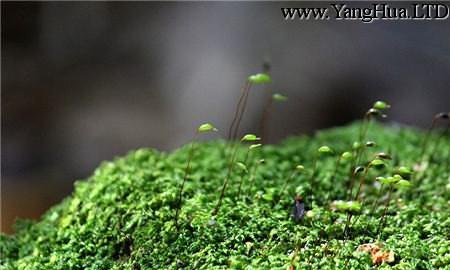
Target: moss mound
122, 217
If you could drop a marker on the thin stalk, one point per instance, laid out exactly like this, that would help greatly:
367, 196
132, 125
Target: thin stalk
361, 182
347, 224
382, 219
253, 176
352, 166
356, 152
314, 169
352, 183
291, 176
361, 150
363, 200
186, 174
362, 128
244, 106
375, 203
447, 163
237, 110
241, 180
430, 157
357, 193
427, 136
265, 119
437, 143
225, 183
336, 168
350, 215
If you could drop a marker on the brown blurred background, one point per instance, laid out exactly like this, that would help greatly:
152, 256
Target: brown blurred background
84, 82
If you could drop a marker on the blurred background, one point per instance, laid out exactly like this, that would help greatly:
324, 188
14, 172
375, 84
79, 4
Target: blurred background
84, 82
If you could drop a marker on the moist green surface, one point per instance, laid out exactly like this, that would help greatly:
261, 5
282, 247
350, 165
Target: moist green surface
122, 217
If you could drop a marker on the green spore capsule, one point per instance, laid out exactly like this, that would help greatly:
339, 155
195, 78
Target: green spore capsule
279, 97
260, 78
250, 138
381, 105
207, 127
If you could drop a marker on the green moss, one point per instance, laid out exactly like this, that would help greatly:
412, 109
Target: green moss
122, 217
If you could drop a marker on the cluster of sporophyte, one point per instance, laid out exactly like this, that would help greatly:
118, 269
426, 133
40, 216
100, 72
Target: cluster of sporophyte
349, 198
